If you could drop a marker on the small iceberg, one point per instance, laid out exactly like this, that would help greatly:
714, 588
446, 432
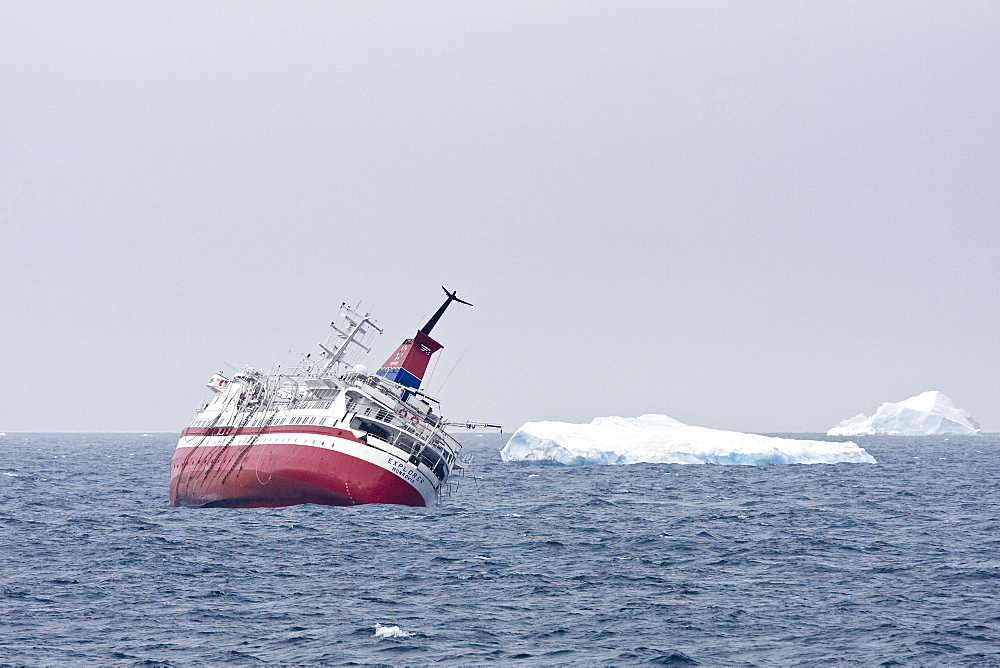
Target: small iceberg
663, 440
927, 414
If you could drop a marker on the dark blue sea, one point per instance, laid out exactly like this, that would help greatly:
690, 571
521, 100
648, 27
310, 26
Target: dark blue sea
890, 564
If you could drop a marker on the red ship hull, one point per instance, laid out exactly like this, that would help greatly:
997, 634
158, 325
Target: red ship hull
273, 475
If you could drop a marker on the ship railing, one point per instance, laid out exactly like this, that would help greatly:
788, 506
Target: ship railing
387, 386
378, 383
386, 416
423, 431
449, 445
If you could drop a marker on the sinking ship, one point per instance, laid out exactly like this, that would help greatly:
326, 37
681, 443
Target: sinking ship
328, 433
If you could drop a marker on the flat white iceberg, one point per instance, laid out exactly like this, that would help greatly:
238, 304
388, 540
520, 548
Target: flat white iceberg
663, 440
927, 414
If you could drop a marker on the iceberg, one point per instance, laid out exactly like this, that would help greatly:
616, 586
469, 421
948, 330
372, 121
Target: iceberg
927, 414
663, 440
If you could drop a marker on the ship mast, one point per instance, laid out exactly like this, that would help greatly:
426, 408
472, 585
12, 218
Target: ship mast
355, 328
452, 296
407, 365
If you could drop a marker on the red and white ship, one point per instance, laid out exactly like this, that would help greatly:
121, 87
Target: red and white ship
329, 433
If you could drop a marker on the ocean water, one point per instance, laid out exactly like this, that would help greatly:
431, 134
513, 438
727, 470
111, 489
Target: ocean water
890, 564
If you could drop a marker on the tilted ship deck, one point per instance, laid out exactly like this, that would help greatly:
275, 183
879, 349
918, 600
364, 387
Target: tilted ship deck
329, 434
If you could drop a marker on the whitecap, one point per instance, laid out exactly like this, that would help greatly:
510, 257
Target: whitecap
390, 631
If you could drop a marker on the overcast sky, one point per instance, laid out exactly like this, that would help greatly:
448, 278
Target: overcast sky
761, 216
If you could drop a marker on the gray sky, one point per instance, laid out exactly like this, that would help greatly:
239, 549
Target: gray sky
755, 216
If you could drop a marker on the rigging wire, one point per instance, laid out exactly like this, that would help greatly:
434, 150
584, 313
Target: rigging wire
451, 372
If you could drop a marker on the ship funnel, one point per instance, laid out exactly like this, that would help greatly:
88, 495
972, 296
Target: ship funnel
407, 365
